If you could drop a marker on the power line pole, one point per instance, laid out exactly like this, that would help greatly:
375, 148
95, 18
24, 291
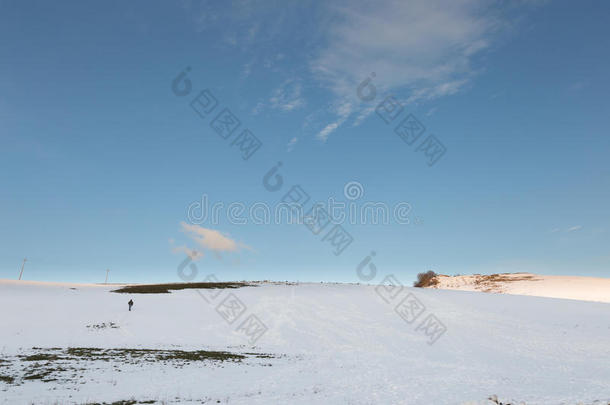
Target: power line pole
22, 266
106, 282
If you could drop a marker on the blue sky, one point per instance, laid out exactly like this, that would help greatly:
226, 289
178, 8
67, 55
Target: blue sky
100, 160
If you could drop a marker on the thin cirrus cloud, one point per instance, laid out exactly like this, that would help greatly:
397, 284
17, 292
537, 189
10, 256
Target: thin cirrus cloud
567, 230
419, 50
291, 144
423, 49
404, 42
287, 97
343, 112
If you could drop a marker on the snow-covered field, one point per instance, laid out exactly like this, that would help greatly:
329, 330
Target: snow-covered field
570, 287
324, 344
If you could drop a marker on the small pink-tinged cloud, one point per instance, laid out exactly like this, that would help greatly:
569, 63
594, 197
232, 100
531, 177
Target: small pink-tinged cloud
212, 239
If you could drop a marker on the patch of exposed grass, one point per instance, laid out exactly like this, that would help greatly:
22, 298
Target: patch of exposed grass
493, 282
200, 355
166, 288
40, 357
504, 277
39, 376
7, 379
115, 354
66, 365
262, 355
89, 353
84, 351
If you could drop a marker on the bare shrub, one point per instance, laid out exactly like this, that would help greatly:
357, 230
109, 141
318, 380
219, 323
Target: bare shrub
427, 279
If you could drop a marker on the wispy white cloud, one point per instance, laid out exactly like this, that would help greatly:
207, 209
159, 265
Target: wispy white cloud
422, 48
247, 69
426, 42
288, 96
258, 108
431, 111
343, 112
437, 91
291, 144
362, 115
567, 230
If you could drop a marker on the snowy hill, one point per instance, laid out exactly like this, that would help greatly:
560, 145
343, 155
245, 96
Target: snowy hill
569, 287
324, 343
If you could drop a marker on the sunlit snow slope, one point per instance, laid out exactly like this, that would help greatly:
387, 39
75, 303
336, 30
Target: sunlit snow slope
569, 287
339, 344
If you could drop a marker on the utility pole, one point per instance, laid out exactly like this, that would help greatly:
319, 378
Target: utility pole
106, 282
22, 266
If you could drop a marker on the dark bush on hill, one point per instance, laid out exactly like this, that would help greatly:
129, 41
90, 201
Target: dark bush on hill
427, 279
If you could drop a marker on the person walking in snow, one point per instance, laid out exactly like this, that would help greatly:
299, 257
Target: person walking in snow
130, 303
